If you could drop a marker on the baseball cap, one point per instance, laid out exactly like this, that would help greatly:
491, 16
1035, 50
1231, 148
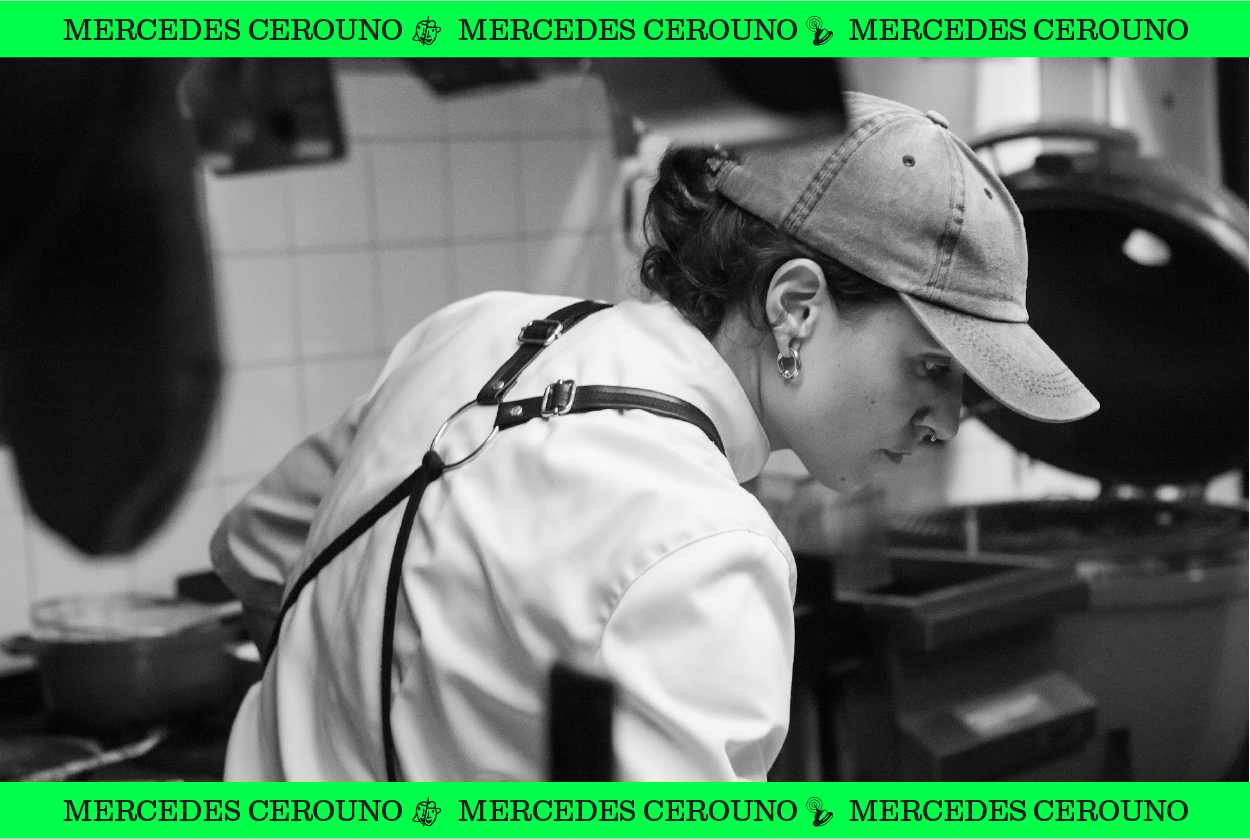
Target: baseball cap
903, 201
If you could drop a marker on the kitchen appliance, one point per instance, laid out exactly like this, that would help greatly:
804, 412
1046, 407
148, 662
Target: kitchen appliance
172, 733
120, 663
1163, 644
1138, 279
959, 676
917, 664
257, 114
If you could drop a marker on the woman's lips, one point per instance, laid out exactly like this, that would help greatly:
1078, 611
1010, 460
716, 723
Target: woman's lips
897, 457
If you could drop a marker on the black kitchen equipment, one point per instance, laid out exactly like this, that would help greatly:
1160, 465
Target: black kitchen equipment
729, 100
894, 648
734, 101
960, 678
1138, 279
191, 747
829, 644
460, 75
254, 114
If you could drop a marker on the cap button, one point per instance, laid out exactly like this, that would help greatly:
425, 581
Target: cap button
938, 118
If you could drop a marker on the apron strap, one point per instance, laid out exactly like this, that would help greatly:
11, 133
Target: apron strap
566, 397
430, 470
562, 397
351, 534
534, 337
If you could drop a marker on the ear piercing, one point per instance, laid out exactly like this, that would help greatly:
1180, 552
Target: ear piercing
789, 366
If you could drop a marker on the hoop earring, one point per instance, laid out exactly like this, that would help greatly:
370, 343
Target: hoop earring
789, 366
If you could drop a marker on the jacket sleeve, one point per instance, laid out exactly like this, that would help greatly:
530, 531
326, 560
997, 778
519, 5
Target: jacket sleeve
260, 540
700, 647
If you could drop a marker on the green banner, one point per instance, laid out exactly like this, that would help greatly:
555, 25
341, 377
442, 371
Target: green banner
607, 28
662, 809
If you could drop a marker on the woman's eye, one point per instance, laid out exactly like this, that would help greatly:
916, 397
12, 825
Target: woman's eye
933, 369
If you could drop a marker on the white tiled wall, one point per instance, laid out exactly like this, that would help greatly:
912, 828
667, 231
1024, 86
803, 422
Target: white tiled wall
320, 270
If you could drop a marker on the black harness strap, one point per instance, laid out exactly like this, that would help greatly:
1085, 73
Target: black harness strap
430, 471
562, 397
566, 397
535, 337
340, 543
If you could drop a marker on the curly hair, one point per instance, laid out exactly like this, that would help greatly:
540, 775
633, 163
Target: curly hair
709, 258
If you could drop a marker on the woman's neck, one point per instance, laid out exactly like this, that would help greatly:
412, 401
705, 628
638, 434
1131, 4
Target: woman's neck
740, 345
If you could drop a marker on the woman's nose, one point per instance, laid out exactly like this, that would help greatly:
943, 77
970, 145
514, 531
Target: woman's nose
940, 418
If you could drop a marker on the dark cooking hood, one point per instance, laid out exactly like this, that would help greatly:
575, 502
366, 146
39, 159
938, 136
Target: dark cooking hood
1138, 280
731, 101
734, 101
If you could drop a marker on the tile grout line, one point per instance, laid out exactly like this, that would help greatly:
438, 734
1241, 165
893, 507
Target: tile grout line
293, 274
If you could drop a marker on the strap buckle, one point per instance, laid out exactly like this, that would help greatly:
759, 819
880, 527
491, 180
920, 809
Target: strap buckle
558, 398
540, 332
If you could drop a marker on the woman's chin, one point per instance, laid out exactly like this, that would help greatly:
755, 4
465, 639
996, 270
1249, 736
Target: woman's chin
844, 483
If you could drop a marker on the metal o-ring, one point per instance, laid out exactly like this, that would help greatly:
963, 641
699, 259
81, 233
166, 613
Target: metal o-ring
438, 435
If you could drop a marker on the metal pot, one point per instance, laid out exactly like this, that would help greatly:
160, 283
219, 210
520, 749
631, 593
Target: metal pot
128, 674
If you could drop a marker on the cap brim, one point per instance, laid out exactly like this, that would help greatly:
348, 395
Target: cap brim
1010, 361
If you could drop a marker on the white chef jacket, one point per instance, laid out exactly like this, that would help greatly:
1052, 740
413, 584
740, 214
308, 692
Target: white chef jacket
620, 543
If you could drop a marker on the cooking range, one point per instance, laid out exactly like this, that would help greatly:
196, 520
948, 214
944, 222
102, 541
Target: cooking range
126, 687
189, 748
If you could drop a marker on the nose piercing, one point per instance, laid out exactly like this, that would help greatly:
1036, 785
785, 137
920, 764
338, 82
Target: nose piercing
789, 366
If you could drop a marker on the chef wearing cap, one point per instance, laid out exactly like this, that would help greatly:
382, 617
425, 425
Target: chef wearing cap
827, 298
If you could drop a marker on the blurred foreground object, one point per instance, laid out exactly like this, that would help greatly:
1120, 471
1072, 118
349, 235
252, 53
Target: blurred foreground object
580, 726
109, 361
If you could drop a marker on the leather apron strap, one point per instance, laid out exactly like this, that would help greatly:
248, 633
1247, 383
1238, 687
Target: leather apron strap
562, 397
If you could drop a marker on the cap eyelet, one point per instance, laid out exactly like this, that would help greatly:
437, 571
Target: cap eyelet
988, 194
908, 160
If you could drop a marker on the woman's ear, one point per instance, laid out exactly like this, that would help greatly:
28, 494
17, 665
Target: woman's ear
797, 298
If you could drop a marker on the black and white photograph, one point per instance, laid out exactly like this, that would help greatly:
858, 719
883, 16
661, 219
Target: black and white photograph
636, 419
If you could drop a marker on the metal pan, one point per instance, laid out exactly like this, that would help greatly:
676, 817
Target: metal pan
122, 673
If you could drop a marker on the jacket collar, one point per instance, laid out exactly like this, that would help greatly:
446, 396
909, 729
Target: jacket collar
701, 377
